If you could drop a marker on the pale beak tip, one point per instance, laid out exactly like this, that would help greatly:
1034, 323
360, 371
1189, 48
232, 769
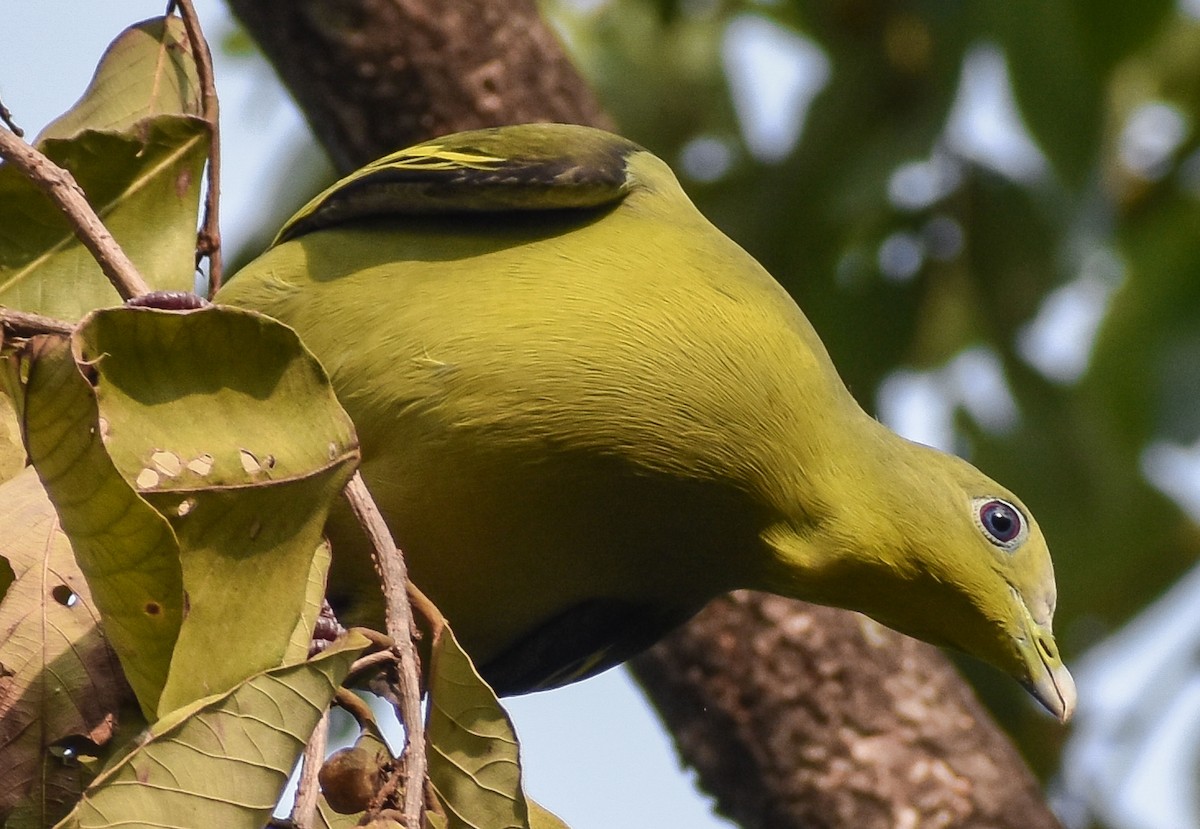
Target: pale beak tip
1055, 690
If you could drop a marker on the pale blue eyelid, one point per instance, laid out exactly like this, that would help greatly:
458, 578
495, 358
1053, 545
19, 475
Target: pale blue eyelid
1007, 546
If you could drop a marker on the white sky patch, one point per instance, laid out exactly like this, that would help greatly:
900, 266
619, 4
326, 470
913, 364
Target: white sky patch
920, 405
706, 158
1150, 138
1134, 751
914, 405
976, 376
900, 256
774, 75
985, 124
944, 238
1175, 471
918, 185
1058, 341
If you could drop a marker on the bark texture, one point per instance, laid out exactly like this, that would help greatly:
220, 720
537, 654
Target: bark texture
374, 76
795, 716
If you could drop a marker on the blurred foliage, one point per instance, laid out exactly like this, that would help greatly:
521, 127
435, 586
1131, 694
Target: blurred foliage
1084, 75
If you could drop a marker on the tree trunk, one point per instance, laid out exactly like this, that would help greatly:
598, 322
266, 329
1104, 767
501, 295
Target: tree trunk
794, 715
374, 76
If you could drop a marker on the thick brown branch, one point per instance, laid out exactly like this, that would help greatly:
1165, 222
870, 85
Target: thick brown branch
798, 716
26, 324
69, 197
377, 75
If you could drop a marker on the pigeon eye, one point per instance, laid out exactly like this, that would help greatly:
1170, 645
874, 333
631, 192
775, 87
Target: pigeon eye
1001, 523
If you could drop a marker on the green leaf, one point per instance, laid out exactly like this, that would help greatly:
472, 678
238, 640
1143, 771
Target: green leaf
228, 426
473, 752
12, 451
61, 683
137, 147
144, 185
1110, 30
1059, 90
147, 71
314, 597
327, 818
214, 434
542, 818
125, 549
221, 761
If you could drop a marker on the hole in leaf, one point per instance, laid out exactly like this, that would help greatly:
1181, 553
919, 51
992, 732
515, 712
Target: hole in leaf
167, 463
249, 462
147, 479
185, 506
64, 595
202, 464
69, 750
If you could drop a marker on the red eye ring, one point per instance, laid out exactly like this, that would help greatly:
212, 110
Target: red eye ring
1001, 522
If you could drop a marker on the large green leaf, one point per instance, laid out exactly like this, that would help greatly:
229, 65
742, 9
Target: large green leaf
147, 71
221, 761
1109, 30
145, 186
190, 453
314, 598
61, 685
1059, 90
12, 452
137, 147
474, 762
227, 425
124, 547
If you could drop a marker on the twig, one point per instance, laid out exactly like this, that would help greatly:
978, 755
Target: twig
427, 610
26, 324
399, 618
69, 197
353, 705
7, 119
371, 660
208, 241
304, 810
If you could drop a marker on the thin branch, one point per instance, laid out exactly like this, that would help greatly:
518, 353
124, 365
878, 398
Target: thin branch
394, 576
304, 810
371, 661
208, 241
26, 324
424, 607
69, 197
7, 119
353, 705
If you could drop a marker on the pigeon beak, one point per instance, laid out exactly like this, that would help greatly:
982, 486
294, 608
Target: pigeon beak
1048, 679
